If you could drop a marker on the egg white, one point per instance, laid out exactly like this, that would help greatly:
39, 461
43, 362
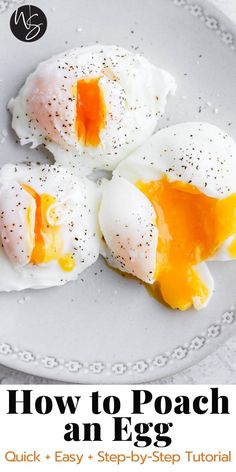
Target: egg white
77, 202
135, 94
127, 221
196, 153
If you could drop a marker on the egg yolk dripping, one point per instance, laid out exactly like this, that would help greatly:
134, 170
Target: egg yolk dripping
47, 243
192, 226
90, 111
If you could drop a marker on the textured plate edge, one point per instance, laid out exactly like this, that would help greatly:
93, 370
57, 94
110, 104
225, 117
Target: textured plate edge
213, 19
160, 366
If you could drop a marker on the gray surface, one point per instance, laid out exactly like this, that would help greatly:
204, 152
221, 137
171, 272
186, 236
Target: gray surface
219, 367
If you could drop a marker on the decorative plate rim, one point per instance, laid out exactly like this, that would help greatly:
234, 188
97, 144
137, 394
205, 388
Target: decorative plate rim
210, 21
138, 366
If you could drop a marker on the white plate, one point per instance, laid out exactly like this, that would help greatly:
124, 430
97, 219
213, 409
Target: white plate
104, 328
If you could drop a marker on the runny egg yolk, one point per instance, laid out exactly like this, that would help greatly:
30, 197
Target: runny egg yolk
90, 111
47, 243
192, 226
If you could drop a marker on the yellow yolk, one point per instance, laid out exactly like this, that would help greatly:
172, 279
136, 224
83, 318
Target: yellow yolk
192, 226
67, 262
90, 111
232, 248
48, 245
